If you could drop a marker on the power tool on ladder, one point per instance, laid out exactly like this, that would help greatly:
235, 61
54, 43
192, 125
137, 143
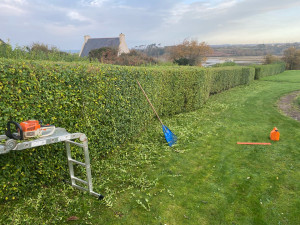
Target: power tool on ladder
49, 134
28, 129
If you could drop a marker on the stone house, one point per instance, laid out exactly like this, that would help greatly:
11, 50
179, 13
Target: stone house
96, 43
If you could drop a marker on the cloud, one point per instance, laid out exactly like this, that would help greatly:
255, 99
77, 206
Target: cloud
12, 7
217, 20
15, 2
76, 16
93, 3
7, 9
63, 23
60, 30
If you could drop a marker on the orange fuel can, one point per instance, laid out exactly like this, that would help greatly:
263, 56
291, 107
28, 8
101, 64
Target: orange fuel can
274, 135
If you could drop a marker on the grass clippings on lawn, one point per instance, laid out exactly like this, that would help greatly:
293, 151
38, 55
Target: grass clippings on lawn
206, 178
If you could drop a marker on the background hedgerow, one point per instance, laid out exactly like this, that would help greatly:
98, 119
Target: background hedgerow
268, 70
38, 51
225, 64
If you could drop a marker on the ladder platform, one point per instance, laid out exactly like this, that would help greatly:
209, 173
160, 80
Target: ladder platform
59, 135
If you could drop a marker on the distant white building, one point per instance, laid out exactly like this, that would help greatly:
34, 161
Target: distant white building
96, 43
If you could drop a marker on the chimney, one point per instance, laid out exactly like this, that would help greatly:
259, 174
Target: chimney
122, 38
123, 46
86, 38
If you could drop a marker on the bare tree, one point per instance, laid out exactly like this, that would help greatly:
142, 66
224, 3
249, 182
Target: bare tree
292, 58
269, 59
190, 52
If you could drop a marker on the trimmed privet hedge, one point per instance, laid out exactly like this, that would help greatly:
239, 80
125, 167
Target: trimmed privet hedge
102, 101
268, 70
223, 78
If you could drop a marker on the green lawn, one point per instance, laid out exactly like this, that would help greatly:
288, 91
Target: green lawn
204, 179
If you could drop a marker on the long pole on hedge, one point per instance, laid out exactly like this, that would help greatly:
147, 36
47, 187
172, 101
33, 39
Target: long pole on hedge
149, 102
170, 137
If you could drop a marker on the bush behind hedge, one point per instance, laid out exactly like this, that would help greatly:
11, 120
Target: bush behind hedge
102, 101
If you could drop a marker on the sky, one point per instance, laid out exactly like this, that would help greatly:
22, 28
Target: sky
63, 23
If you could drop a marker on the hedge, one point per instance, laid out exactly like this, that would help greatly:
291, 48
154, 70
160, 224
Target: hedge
268, 70
224, 78
102, 101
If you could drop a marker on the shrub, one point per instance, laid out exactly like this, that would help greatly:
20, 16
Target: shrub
104, 55
134, 58
271, 59
291, 57
190, 52
109, 55
37, 52
184, 62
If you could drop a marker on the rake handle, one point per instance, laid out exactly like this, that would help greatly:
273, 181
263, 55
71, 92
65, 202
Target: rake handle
149, 102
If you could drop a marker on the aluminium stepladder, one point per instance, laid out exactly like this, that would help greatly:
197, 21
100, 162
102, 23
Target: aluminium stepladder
60, 135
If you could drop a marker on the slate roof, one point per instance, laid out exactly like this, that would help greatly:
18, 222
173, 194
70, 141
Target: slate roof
95, 43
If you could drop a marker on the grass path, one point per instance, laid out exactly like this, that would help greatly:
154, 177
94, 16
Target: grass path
205, 179
289, 106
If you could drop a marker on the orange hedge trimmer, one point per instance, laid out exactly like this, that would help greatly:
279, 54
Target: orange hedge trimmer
28, 129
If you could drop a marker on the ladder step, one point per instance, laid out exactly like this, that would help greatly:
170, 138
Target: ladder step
77, 162
77, 179
99, 196
75, 143
79, 187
